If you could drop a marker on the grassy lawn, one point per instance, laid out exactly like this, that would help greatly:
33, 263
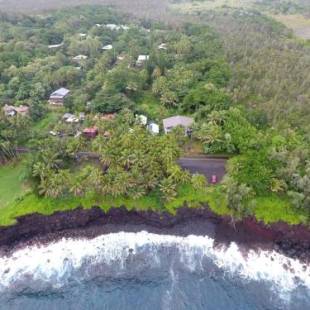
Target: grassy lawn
273, 209
11, 183
30, 203
44, 124
269, 209
15, 201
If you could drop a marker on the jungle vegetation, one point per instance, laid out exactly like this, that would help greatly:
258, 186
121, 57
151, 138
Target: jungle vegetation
243, 77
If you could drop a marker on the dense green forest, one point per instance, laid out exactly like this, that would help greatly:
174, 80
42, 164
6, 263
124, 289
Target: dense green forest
215, 70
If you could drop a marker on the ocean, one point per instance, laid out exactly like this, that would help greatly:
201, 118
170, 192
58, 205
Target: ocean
148, 271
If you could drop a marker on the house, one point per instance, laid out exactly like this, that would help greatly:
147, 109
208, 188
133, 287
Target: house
57, 97
141, 119
172, 122
22, 110
141, 60
162, 46
112, 26
90, 132
108, 116
70, 118
53, 133
107, 134
82, 116
53, 46
78, 58
153, 128
82, 35
124, 27
78, 134
107, 47
116, 27
10, 110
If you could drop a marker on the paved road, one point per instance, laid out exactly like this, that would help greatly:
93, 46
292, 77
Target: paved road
207, 166
204, 165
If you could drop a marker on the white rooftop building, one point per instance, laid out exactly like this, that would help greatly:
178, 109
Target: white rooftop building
52, 46
80, 57
70, 118
116, 27
153, 128
162, 46
112, 26
142, 59
107, 47
124, 27
142, 119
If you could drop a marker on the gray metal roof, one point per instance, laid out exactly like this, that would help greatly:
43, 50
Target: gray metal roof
60, 93
177, 120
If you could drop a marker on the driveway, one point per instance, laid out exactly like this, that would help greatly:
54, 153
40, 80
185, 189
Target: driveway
207, 166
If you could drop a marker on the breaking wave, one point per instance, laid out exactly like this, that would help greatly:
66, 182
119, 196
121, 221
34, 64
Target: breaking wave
146, 255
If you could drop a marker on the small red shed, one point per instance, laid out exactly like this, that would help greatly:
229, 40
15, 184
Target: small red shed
91, 132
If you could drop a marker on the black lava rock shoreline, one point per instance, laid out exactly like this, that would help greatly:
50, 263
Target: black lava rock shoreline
294, 241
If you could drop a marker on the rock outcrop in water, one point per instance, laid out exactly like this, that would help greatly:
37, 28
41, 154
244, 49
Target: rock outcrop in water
294, 241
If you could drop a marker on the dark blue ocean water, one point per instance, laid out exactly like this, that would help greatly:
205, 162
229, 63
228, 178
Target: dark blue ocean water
145, 271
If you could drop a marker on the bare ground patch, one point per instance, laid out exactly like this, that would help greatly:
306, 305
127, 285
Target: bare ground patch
298, 23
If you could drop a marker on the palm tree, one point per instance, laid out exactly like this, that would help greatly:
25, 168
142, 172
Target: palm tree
7, 151
167, 189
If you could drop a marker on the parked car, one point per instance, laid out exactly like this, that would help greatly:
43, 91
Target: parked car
214, 179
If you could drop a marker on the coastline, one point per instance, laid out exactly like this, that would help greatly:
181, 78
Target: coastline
293, 241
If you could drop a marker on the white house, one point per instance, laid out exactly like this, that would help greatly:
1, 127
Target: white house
82, 116
112, 26
80, 57
141, 119
117, 27
141, 60
162, 46
52, 46
153, 128
107, 47
70, 118
124, 27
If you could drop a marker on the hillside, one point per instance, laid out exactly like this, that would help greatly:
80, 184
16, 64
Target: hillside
107, 104
295, 14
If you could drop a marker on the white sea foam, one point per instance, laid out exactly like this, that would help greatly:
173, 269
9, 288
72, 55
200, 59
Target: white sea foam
54, 264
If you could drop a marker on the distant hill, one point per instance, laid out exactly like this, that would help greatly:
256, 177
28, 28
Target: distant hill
146, 7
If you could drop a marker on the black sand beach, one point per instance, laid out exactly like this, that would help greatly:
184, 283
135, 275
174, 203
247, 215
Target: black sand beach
293, 241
